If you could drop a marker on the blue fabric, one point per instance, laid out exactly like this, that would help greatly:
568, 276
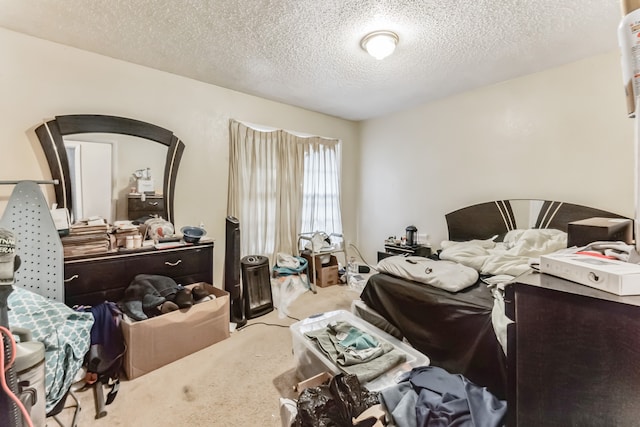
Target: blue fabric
359, 340
286, 271
106, 332
442, 399
65, 333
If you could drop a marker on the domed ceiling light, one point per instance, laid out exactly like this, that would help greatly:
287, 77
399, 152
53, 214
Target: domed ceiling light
380, 44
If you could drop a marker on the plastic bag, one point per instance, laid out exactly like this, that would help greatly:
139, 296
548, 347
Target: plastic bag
335, 404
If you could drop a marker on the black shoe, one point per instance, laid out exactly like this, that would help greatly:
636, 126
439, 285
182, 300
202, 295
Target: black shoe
184, 298
199, 293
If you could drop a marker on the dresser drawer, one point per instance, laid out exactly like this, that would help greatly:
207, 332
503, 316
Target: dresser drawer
173, 264
90, 281
152, 205
101, 277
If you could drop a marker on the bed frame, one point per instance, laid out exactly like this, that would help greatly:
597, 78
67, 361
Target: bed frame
455, 329
485, 220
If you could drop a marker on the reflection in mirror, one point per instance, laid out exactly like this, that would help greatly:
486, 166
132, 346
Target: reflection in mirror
526, 212
101, 168
91, 174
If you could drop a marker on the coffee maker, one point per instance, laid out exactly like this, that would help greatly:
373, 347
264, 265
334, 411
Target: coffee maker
411, 236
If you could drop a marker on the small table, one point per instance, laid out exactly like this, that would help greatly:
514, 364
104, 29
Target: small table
404, 250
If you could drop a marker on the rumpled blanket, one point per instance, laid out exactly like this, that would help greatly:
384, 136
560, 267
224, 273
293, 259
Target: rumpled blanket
504, 260
509, 257
65, 333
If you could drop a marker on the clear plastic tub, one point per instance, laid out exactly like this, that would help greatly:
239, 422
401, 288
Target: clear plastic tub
311, 361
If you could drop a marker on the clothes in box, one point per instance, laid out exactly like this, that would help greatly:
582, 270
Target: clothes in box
586, 231
163, 339
310, 360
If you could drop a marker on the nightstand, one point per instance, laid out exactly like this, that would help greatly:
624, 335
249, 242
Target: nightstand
391, 250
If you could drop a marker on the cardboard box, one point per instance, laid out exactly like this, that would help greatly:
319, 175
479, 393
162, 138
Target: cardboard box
315, 381
163, 339
609, 275
586, 231
327, 274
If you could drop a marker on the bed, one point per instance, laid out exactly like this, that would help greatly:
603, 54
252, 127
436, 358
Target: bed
463, 329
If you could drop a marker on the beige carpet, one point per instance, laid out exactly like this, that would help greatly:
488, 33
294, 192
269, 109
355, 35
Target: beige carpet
236, 382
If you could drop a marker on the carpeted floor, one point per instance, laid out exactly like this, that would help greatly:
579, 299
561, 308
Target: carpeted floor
236, 382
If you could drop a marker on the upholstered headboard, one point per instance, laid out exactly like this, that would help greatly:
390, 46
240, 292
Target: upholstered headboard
485, 220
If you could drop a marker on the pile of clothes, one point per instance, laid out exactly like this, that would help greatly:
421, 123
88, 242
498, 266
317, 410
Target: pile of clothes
149, 295
355, 351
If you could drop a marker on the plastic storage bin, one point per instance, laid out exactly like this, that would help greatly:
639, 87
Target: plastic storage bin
311, 361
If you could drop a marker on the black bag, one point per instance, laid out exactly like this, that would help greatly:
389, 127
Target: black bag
106, 353
334, 404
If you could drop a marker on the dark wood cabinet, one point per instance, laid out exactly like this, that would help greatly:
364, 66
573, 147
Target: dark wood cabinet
150, 206
391, 250
92, 280
573, 354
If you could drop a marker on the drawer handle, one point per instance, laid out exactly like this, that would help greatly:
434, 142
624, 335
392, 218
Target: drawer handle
153, 203
173, 264
75, 276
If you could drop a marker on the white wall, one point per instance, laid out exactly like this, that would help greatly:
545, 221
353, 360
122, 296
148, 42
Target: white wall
40, 79
561, 134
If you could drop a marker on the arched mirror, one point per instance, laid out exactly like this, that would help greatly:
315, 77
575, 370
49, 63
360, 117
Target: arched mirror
112, 148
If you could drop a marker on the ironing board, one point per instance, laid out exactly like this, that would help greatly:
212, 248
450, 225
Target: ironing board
38, 244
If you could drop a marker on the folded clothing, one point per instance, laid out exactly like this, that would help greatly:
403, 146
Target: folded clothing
368, 363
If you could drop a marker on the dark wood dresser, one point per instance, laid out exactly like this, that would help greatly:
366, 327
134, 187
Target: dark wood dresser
91, 280
573, 354
391, 250
150, 206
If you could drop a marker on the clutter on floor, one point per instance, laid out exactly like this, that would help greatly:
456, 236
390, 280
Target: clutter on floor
317, 348
395, 383
150, 295
177, 333
340, 401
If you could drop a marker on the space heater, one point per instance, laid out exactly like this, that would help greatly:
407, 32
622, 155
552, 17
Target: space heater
232, 271
256, 286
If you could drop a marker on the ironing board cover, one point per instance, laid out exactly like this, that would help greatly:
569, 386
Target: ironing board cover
38, 244
65, 333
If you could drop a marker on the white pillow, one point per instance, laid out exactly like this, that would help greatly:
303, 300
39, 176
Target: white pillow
448, 275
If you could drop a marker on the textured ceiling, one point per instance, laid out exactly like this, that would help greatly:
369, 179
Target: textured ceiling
307, 52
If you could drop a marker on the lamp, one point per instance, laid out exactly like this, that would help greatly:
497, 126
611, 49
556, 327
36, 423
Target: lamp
380, 44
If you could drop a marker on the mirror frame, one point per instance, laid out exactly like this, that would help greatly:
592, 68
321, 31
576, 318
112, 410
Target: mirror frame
51, 135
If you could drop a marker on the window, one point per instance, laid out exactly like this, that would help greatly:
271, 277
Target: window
280, 185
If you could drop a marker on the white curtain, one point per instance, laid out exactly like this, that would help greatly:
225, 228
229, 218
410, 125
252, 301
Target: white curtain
321, 191
279, 185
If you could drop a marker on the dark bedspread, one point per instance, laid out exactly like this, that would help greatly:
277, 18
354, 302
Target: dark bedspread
453, 329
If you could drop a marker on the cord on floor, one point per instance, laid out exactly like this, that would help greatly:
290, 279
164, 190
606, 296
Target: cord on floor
351, 245
268, 324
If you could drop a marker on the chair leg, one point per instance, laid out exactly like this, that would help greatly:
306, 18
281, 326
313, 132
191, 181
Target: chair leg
76, 412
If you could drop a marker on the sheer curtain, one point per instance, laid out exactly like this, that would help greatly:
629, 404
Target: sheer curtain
321, 190
279, 185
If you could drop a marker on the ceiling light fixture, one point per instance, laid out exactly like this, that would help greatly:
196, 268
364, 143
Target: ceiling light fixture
380, 44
